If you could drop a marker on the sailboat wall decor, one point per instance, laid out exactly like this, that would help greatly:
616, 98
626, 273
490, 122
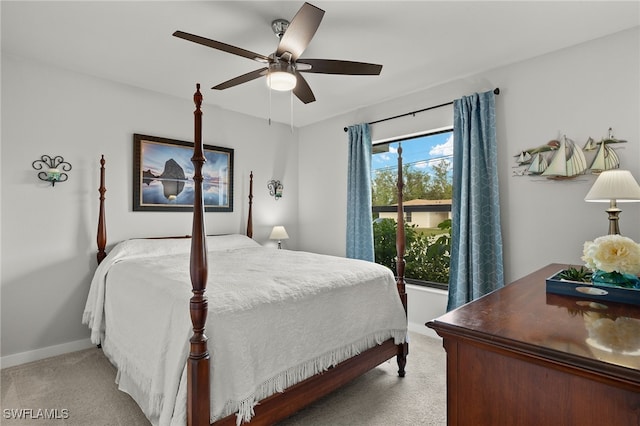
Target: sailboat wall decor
568, 161
563, 159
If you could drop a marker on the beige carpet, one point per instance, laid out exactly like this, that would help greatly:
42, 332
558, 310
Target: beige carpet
78, 389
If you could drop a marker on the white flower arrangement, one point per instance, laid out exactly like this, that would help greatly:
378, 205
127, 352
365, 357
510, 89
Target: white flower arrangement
612, 253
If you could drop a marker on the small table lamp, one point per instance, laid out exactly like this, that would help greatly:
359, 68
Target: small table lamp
279, 233
611, 186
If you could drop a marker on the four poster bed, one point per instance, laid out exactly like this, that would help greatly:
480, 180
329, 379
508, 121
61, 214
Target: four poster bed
283, 328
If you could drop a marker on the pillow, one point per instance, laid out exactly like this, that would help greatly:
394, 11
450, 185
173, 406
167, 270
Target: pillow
142, 247
152, 247
229, 242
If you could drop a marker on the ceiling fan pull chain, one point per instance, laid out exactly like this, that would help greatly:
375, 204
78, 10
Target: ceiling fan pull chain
291, 104
269, 106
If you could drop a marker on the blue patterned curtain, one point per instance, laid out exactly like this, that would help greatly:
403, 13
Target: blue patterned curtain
359, 222
476, 239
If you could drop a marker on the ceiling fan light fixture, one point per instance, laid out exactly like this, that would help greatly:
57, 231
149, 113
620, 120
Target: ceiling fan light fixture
282, 70
281, 77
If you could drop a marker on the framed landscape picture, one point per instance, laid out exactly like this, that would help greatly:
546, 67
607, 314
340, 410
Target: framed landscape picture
163, 176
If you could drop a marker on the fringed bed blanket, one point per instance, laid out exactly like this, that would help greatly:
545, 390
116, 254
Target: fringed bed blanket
276, 317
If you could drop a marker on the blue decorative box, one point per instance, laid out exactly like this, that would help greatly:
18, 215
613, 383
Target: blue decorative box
592, 292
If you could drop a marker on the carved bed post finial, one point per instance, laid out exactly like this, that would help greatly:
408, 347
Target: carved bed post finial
102, 227
403, 349
198, 412
250, 215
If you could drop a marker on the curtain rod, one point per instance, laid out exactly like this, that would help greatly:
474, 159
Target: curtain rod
495, 91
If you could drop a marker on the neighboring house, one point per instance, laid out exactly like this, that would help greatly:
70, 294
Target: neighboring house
422, 213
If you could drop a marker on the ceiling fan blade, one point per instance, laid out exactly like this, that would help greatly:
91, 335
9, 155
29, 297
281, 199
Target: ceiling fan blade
241, 79
222, 46
332, 66
300, 31
303, 91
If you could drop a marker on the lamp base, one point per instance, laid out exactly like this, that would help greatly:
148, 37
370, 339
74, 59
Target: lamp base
614, 228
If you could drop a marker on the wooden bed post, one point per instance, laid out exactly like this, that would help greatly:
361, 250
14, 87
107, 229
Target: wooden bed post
102, 226
403, 349
250, 215
198, 410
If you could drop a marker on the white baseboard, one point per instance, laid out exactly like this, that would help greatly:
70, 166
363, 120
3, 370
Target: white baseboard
78, 345
42, 353
422, 329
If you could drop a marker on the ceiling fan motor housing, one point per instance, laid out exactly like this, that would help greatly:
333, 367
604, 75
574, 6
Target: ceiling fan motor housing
279, 26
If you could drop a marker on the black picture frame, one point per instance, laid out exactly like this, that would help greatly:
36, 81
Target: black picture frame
163, 175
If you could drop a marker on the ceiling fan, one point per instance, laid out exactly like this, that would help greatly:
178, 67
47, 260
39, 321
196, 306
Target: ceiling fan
283, 67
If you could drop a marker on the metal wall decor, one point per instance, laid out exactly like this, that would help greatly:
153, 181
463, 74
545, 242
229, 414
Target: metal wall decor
53, 166
564, 159
275, 188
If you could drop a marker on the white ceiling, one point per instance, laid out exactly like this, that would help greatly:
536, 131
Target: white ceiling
419, 43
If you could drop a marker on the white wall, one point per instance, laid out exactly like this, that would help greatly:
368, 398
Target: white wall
580, 91
49, 234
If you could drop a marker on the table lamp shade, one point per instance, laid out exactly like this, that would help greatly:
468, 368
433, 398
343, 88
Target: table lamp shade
616, 185
278, 233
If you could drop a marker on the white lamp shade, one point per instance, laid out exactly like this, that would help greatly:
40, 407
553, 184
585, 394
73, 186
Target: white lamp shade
281, 77
616, 185
278, 233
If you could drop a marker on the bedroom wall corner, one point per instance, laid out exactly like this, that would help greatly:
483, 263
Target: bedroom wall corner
575, 91
581, 91
48, 234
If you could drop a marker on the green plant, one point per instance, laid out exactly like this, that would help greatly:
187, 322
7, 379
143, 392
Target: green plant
582, 275
384, 241
426, 257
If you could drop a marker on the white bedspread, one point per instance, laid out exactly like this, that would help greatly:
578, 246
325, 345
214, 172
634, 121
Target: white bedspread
275, 318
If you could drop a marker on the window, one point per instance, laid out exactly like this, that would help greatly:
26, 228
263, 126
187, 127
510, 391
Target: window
427, 162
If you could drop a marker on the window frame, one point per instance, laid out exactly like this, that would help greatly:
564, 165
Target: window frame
431, 208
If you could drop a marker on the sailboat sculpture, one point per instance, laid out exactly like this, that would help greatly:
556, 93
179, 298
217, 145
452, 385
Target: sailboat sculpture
567, 162
606, 157
534, 159
524, 158
538, 164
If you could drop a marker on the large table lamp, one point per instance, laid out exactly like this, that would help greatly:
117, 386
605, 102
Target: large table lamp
614, 186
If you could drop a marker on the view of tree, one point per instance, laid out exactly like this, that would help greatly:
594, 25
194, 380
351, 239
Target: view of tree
441, 187
418, 184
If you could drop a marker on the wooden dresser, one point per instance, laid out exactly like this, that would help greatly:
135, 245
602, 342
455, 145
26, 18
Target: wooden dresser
520, 356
